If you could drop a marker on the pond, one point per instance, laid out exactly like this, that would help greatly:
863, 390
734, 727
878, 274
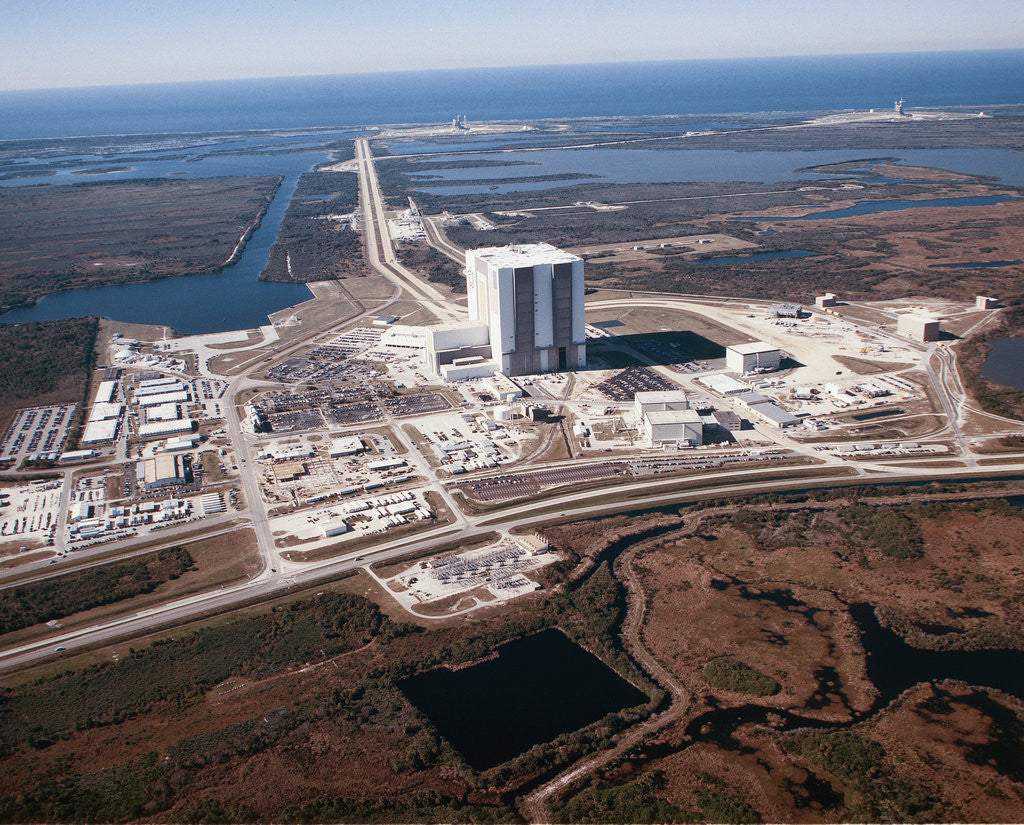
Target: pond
1005, 362
977, 265
534, 690
874, 207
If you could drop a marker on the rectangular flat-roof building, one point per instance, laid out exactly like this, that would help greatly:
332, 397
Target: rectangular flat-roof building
724, 385
163, 471
644, 402
916, 327
530, 296
104, 410
757, 356
161, 429
105, 392
98, 432
351, 445
673, 427
774, 414
175, 397
162, 412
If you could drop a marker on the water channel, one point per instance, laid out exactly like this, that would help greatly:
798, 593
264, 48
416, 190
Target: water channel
229, 299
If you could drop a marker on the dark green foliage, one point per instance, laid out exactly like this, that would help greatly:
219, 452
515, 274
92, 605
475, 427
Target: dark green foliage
419, 806
128, 791
770, 529
727, 673
61, 596
599, 603
210, 812
862, 764
37, 357
718, 806
847, 755
888, 529
171, 670
634, 801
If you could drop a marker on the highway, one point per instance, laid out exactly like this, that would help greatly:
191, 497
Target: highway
574, 505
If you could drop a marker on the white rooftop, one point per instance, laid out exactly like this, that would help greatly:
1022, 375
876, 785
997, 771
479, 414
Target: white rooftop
752, 348
724, 384
528, 254
673, 417
104, 410
660, 396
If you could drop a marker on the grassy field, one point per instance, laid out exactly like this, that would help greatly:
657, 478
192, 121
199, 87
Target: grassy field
214, 561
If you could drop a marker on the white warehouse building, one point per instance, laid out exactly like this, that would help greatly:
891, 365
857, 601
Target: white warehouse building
646, 402
753, 357
673, 427
525, 315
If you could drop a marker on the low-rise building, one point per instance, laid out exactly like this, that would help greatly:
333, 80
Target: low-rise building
774, 414
163, 471
756, 356
162, 429
673, 427
351, 445
724, 385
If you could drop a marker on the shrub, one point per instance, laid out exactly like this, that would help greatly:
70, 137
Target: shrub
727, 673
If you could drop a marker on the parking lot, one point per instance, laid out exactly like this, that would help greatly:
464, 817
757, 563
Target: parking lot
354, 413
419, 404
501, 488
295, 421
624, 385
37, 431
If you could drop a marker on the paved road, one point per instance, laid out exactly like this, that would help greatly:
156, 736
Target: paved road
381, 250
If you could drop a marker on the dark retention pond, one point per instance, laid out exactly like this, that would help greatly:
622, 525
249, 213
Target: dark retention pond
1005, 362
534, 690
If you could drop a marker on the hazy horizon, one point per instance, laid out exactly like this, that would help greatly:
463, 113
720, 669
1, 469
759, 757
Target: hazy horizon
427, 70
50, 44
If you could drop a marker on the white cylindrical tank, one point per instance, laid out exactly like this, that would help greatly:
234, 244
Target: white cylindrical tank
503, 413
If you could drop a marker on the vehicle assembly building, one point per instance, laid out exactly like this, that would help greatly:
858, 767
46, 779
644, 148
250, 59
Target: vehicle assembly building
525, 315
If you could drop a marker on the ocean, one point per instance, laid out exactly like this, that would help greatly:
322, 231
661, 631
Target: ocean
793, 84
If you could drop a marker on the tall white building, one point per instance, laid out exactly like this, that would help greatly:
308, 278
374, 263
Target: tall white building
525, 315
531, 298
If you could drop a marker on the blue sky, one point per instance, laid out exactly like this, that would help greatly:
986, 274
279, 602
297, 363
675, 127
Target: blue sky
52, 43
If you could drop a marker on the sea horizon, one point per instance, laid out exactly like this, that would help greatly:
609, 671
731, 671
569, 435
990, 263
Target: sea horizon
975, 78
